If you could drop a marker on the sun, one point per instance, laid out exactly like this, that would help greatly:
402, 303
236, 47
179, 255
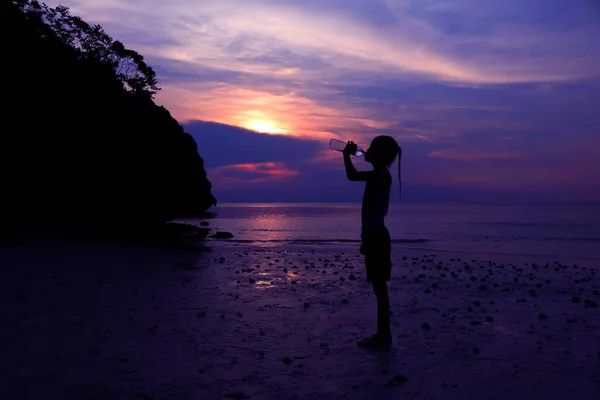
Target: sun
264, 126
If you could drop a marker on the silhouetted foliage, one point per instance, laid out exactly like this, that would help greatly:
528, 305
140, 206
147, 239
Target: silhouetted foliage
82, 141
93, 43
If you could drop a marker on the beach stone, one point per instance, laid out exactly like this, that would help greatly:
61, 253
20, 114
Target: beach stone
576, 300
490, 319
287, 360
543, 316
237, 396
590, 303
306, 305
425, 326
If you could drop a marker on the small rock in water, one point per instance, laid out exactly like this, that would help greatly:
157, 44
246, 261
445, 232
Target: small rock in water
543, 316
490, 319
306, 305
425, 326
287, 360
222, 235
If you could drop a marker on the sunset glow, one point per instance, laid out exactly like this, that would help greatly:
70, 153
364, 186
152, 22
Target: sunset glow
264, 127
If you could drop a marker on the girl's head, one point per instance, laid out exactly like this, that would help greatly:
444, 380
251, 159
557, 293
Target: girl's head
383, 151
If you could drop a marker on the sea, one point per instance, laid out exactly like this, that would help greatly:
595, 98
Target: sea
554, 230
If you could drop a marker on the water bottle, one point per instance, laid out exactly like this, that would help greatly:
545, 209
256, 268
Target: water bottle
340, 145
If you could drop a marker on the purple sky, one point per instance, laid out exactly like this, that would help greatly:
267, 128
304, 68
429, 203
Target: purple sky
491, 100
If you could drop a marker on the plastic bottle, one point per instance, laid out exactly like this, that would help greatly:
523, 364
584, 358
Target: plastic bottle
340, 145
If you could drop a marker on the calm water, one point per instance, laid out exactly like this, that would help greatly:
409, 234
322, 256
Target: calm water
557, 230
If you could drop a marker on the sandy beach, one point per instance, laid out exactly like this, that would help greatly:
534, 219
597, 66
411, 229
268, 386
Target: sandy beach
106, 320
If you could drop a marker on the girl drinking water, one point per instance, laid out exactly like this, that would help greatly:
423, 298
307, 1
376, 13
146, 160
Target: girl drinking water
376, 243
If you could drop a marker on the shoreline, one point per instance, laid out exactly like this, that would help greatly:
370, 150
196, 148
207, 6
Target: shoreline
399, 250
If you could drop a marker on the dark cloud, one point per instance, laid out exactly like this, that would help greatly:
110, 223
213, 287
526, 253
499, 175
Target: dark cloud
222, 145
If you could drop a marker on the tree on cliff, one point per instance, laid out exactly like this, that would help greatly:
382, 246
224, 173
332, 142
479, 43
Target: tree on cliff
93, 43
83, 142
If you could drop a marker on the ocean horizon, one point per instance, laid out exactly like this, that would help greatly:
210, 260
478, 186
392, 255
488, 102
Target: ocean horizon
561, 230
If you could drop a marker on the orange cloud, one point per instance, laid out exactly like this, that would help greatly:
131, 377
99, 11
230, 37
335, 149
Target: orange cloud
285, 113
251, 173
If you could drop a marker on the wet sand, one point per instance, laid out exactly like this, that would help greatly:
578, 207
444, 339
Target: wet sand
93, 320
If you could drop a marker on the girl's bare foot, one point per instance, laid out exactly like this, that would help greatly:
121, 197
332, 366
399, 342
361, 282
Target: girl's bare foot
376, 341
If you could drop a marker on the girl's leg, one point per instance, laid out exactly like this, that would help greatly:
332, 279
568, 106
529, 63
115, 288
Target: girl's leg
383, 309
383, 337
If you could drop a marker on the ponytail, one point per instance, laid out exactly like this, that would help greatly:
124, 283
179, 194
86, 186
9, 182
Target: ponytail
399, 170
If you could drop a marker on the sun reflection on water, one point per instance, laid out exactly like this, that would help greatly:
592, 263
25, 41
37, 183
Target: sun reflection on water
269, 224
